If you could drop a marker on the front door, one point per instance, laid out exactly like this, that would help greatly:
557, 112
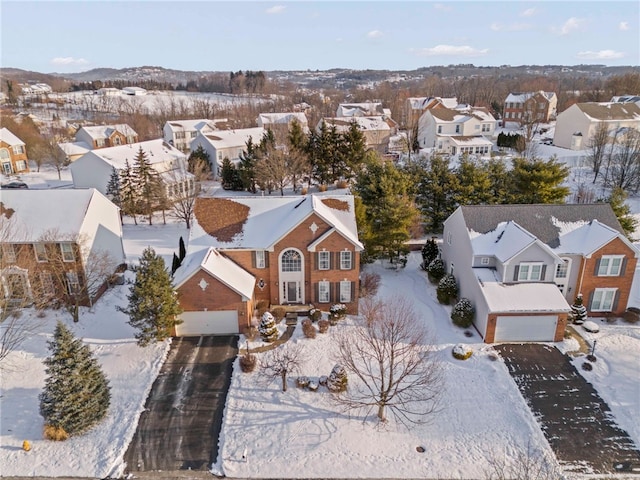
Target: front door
291, 274
6, 167
292, 292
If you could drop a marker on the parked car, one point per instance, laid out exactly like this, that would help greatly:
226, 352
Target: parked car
14, 184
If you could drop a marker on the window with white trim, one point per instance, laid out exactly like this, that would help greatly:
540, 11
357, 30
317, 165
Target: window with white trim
562, 269
323, 291
323, 260
73, 284
291, 261
18, 149
67, 252
610, 265
529, 272
41, 252
484, 261
260, 262
345, 260
100, 142
603, 299
46, 280
486, 127
8, 254
345, 291
21, 165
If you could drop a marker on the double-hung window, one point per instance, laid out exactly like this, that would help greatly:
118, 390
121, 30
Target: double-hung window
324, 262
260, 261
530, 272
73, 283
345, 291
8, 254
41, 252
562, 269
345, 260
67, 252
323, 291
610, 265
602, 300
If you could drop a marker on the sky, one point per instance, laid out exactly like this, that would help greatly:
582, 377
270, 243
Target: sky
76, 36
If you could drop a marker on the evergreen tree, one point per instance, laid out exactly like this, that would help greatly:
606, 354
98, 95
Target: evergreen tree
539, 181
353, 150
389, 210
128, 192
430, 252
622, 210
437, 190
474, 183
578, 310
267, 328
247, 166
76, 393
337, 381
113, 188
499, 182
181, 249
322, 151
463, 313
149, 186
153, 307
229, 176
199, 161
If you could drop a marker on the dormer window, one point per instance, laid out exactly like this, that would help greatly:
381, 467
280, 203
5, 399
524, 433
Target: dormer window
529, 272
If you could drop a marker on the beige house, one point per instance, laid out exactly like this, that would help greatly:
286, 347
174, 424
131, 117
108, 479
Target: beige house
377, 130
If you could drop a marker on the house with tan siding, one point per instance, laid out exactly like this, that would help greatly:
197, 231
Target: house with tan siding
13, 153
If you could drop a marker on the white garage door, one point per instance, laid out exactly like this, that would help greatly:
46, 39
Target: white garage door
208, 323
534, 328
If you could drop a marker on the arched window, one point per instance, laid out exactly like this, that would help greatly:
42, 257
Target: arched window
291, 261
4, 154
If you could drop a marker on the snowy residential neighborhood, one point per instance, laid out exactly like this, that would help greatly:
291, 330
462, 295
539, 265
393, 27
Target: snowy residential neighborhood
334, 291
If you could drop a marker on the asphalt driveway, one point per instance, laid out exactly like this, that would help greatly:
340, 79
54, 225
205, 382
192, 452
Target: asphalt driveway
181, 423
576, 422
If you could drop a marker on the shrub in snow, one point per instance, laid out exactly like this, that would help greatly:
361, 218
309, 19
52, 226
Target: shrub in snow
369, 284
279, 313
315, 314
587, 366
462, 352
337, 312
430, 252
323, 380
447, 289
267, 328
462, 313
57, 434
302, 382
591, 327
261, 307
313, 386
323, 326
578, 311
337, 380
248, 362
436, 270
308, 329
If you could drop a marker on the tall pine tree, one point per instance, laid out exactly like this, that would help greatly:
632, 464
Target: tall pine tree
76, 393
539, 181
128, 192
153, 307
148, 185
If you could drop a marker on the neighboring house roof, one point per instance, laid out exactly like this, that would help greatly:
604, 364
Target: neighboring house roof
589, 238
365, 123
257, 223
610, 111
9, 138
546, 222
626, 99
200, 124
365, 109
519, 297
462, 141
462, 114
157, 151
105, 131
36, 212
523, 97
74, 148
282, 118
422, 103
234, 138
218, 266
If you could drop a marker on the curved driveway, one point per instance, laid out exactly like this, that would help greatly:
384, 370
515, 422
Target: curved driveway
180, 425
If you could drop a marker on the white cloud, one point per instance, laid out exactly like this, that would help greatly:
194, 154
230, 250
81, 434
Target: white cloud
623, 26
600, 55
275, 9
442, 7
374, 34
68, 61
528, 12
513, 27
570, 25
450, 50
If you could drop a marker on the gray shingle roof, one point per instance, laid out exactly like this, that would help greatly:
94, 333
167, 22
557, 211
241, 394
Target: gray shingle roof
538, 219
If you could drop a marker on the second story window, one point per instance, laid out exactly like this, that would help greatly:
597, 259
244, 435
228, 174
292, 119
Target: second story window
529, 272
610, 266
439, 128
100, 142
179, 134
7, 254
324, 262
457, 128
67, 252
260, 262
18, 149
486, 127
41, 252
562, 269
345, 260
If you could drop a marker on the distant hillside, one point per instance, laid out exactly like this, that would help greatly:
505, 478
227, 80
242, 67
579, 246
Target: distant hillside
17, 75
137, 74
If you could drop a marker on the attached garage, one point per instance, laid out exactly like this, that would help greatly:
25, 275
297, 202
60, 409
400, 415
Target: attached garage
223, 322
526, 328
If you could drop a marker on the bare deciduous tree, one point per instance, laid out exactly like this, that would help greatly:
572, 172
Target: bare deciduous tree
597, 148
282, 361
390, 356
624, 169
525, 465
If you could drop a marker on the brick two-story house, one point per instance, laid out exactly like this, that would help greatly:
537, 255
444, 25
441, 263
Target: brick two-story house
522, 266
282, 250
13, 154
530, 107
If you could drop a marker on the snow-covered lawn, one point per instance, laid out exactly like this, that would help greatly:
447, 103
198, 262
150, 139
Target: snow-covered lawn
130, 369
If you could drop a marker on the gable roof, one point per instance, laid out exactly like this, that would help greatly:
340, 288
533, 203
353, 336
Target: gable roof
590, 237
610, 111
218, 266
462, 114
199, 124
545, 222
158, 151
422, 103
36, 212
365, 123
364, 109
233, 138
258, 223
105, 131
9, 138
523, 97
282, 118
507, 240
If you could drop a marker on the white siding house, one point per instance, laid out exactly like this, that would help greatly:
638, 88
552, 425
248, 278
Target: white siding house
180, 133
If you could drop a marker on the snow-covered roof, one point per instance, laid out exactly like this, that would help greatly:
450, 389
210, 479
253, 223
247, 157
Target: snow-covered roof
523, 97
199, 124
158, 151
610, 111
74, 148
134, 91
218, 266
507, 240
588, 238
234, 138
281, 118
105, 131
422, 103
519, 297
257, 223
461, 114
342, 124
365, 109
465, 141
9, 138
40, 211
